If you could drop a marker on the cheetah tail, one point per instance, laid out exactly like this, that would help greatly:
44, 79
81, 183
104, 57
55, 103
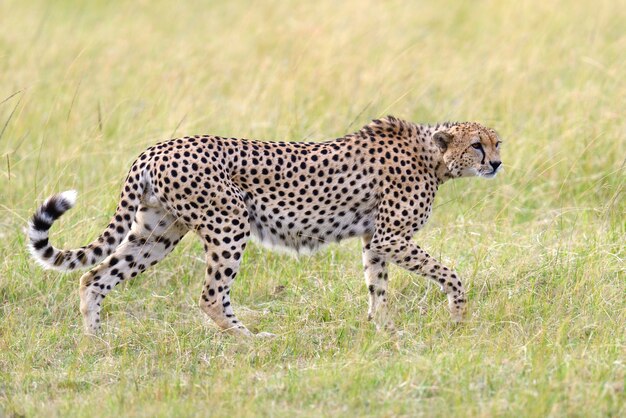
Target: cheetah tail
53, 258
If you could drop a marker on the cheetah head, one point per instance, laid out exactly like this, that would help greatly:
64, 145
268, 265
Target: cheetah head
469, 149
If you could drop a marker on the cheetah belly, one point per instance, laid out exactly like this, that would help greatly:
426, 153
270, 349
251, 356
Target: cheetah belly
305, 234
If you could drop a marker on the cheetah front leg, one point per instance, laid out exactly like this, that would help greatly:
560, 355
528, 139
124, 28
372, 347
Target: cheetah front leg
376, 280
409, 256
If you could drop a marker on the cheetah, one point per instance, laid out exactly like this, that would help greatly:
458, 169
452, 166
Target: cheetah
378, 184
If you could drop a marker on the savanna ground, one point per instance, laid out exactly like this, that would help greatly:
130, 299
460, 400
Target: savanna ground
86, 86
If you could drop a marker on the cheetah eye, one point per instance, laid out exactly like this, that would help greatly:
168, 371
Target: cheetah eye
477, 145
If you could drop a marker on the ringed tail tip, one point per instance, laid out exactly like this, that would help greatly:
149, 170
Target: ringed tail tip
69, 196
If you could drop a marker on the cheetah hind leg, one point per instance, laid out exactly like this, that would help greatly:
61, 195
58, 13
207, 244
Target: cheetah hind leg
222, 266
153, 235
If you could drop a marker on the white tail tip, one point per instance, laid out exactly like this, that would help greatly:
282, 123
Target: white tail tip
69, 196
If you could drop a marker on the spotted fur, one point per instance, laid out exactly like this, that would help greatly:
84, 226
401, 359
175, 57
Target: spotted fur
378, 184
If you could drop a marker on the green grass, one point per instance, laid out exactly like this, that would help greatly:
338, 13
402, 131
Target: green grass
86, 86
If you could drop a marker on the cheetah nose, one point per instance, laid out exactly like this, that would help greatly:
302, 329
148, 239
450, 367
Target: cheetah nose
495, 164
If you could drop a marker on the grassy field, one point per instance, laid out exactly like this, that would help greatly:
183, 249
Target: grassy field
86, 86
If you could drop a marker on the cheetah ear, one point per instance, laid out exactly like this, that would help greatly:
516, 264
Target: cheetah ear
442, 139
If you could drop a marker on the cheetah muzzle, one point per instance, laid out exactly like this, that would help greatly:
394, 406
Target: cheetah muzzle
377, 184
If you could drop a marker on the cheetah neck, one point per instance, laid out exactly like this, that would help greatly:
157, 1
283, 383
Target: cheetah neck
442, 172
422, 133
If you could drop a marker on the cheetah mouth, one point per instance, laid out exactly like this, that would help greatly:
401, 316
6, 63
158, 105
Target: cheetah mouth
490, 175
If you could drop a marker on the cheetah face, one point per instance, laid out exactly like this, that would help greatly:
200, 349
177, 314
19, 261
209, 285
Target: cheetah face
470, 149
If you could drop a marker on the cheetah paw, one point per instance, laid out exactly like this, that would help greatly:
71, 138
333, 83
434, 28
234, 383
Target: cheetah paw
457, 316
265, 335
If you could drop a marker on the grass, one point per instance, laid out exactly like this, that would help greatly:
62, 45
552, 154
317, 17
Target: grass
85, 87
